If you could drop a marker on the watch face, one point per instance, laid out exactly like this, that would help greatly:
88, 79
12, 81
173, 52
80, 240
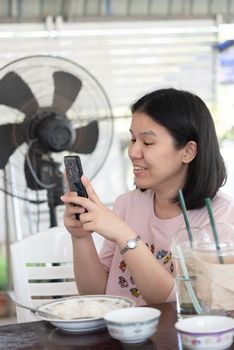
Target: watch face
131, 244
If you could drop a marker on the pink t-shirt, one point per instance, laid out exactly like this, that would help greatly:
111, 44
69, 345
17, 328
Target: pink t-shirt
136, 209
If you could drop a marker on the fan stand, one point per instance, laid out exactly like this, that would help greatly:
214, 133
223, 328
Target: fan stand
50, 173
52, 208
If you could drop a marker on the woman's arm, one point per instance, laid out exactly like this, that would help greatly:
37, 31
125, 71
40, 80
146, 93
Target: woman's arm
152, 279
90, 274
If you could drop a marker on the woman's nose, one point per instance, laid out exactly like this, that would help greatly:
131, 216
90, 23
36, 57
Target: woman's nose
134, 151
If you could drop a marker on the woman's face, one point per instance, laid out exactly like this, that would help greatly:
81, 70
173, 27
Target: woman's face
157, 164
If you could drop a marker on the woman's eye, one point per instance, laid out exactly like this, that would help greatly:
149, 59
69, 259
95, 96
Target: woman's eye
148, 143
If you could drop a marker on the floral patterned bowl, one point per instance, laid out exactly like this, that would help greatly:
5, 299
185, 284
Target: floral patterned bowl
132, 326
206, 332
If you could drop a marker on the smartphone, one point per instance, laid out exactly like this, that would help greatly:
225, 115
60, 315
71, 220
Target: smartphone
74, 172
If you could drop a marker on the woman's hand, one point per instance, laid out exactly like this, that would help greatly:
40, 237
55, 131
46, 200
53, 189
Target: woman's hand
71, 223
98, 217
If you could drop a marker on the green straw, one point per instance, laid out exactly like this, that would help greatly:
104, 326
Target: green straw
214, 230
187, 281
184, 210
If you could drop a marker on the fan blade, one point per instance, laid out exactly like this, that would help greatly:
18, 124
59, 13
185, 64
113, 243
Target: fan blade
67, 87
11, 137
14, 92
86, 138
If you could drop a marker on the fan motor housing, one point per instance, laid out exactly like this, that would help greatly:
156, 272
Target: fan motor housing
53, 131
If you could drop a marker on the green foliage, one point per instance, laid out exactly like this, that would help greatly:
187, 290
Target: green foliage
3, 273
228, 135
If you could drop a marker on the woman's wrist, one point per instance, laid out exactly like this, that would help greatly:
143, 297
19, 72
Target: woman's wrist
78, 239
125, 236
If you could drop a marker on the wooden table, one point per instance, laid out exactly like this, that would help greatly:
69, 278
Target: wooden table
43, 336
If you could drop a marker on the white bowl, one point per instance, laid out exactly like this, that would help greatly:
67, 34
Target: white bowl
134, 325
206, 332
83, 313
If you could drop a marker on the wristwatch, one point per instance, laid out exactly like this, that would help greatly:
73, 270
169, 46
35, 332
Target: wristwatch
131, 244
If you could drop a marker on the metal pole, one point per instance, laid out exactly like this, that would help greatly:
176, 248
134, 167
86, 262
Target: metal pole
15, 204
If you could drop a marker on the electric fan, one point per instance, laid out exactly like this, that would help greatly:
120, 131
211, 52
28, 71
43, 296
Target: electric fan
51, 107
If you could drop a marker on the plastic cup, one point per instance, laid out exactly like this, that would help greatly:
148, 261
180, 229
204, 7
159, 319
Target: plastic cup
184, 303
214, 269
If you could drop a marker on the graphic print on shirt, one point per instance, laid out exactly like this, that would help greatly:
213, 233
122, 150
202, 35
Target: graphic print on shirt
160, 254
152, 247
167, 258
164, 255
122, 282
122, 266
135, 292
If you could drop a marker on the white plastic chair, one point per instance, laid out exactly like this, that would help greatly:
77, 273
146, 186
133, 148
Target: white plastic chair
42, 270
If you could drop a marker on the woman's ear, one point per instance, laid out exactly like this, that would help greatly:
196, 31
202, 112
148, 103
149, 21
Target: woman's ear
190, 151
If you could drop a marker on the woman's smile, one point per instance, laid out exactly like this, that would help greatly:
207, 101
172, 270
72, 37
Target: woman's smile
137, 170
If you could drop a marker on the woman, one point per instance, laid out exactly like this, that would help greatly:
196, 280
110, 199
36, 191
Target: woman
173, 146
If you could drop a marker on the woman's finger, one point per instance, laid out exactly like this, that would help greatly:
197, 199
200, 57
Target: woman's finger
70, 198
75, 209
86, 217
88, 227
74, 203
89, 189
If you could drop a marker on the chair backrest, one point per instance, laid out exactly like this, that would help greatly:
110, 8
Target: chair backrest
42, 270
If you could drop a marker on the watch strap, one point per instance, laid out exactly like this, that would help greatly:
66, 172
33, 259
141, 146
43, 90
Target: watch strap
126, 247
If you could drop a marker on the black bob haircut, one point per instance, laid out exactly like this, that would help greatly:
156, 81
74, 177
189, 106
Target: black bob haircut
187, 118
